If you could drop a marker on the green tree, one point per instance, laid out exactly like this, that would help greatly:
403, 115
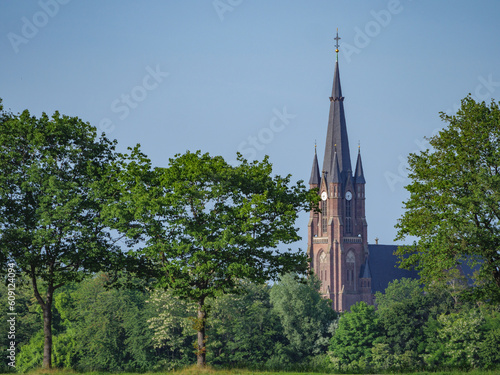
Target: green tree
403, 312
110, 327
304, 314
207, 224
453, 208
51, 195
489, 355
488, 349
28, 318
97, 328
31, 350
459, 338
171, 323
357, 333
397, 291
243, 328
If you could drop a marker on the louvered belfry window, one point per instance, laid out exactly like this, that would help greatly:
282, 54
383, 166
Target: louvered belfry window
348, 227
324, 215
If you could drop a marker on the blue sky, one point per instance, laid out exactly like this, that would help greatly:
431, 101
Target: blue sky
254, 76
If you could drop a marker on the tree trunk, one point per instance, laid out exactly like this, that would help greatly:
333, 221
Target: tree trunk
47, 333
47, 319
201, 352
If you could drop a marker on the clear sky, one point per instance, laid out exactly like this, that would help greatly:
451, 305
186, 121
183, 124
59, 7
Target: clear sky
255, 76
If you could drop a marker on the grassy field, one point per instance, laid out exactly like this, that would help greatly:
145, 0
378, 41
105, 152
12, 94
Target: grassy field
209, 371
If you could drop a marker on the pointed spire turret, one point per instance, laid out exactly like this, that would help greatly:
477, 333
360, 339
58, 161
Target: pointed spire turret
323, 184
337, 131
315, 176
366, 274
359, 176
335, 175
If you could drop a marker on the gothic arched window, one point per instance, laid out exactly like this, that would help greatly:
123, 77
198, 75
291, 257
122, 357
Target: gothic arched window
323, 269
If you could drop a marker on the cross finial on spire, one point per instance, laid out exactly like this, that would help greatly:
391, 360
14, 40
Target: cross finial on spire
337, 43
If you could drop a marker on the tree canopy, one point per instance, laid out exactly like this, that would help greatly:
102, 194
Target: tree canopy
208, 225
453, 208
306, 316
52, 191
355, 336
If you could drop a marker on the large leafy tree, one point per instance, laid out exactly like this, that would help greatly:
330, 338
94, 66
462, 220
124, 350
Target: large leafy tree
52, 190
171, 323
96, 328
243, 328
208, 224
305, 316
109, 325
403, 311
457, 340
453, 208
357, 332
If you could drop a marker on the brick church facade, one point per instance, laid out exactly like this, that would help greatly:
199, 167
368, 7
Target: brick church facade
349, 268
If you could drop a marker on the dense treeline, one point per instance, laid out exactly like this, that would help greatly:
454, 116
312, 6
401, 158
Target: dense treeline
286, 325
413, 330
98, 328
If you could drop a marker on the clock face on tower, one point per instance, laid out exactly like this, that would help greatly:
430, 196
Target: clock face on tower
348, 195
324, 195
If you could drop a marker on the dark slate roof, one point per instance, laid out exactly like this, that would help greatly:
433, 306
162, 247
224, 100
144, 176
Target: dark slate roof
359, 177
315, 176
384, 267
336, 136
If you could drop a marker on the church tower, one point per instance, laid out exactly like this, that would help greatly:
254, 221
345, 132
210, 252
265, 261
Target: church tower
337, 235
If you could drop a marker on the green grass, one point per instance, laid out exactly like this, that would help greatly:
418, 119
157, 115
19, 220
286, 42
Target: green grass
193, 370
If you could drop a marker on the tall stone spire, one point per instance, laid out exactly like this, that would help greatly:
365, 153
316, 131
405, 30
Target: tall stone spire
336, 135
